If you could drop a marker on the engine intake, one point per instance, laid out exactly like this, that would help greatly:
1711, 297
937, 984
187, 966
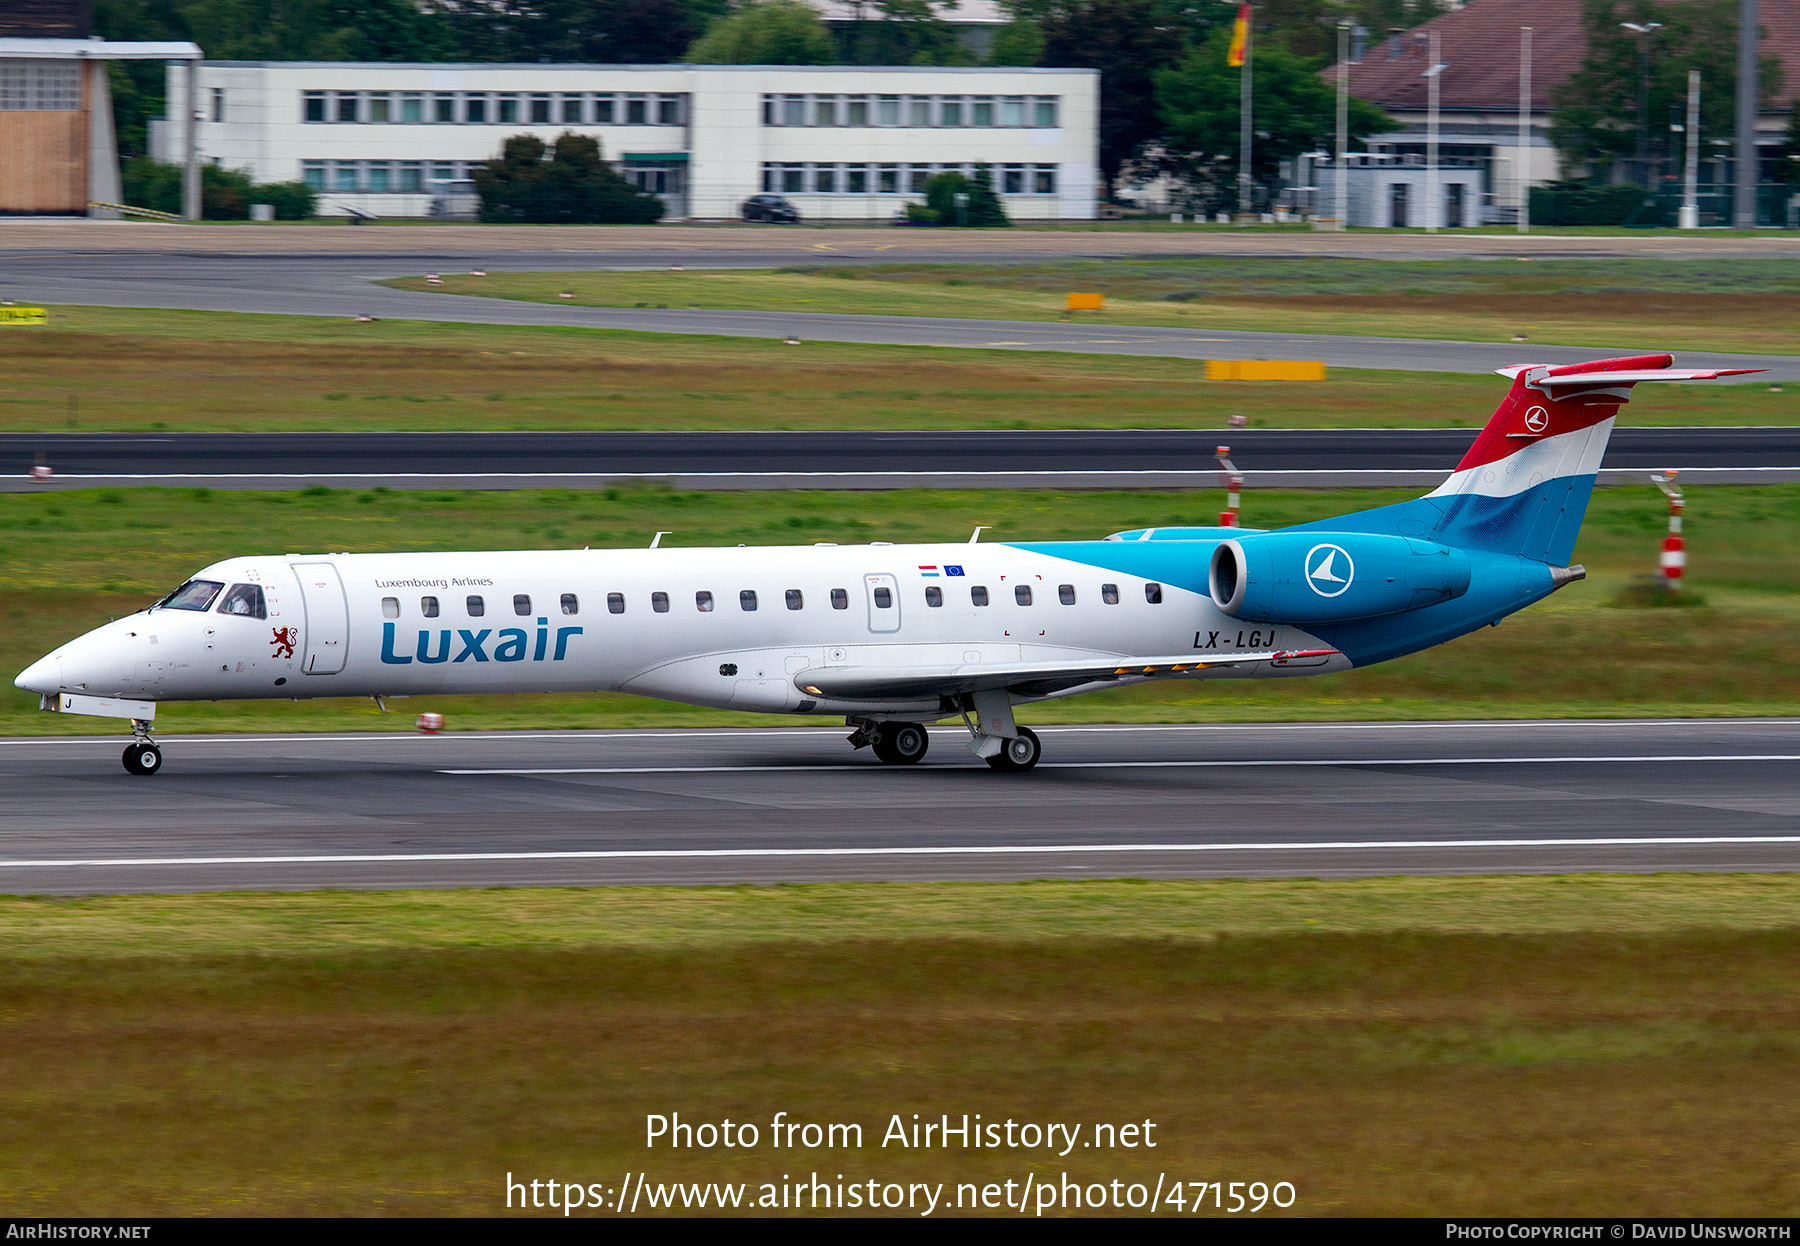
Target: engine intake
1332, 577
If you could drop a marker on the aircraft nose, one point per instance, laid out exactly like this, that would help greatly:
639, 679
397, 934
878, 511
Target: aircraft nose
43, 677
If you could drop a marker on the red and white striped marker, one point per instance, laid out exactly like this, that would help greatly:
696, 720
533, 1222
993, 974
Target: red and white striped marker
1674, 550
1233, 484
41, 471
431, 724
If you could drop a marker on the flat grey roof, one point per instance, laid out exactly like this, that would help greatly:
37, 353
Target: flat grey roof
542, 67
97, 50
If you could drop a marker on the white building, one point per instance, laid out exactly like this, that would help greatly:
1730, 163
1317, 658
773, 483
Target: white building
841, 143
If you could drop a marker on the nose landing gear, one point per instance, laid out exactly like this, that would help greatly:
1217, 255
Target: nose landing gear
142, 756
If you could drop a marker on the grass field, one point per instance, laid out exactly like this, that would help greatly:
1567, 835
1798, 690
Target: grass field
1622, 304
69, 561
218, 371
1517, 1046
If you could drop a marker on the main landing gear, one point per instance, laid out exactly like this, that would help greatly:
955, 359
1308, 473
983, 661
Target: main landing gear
1019, 753
897, 744
141, 755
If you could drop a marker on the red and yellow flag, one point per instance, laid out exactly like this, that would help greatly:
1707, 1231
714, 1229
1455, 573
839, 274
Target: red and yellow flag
1240, 34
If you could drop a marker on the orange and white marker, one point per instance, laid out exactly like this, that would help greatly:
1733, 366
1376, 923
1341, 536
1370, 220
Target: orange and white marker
1674, 550
1233, 484
431, 724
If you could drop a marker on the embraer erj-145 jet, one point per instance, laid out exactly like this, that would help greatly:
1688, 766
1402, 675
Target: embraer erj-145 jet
891, 637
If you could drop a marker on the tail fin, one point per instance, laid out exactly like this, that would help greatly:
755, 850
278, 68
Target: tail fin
1523, 487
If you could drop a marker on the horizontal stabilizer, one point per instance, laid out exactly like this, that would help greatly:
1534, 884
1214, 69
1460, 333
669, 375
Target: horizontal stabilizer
1578, 374
852, 683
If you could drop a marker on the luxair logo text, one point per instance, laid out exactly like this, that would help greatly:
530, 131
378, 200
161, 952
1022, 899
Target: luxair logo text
509, 645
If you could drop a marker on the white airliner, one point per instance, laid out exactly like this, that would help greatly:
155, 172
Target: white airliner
890, 637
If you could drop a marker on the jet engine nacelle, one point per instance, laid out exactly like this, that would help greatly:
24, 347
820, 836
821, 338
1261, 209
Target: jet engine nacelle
1332, 577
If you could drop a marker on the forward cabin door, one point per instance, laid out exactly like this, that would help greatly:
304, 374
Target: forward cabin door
883, 593
327, 617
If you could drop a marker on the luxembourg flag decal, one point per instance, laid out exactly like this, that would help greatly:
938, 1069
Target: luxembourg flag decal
929, 573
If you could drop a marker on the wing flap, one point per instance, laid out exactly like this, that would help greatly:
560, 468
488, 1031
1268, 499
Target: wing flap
854, 683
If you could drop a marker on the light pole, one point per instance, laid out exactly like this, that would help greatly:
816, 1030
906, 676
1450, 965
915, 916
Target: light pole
1643, 30
1245, 199
1749, 98
1432, 191
1341, 204
1690, 190
1523, 174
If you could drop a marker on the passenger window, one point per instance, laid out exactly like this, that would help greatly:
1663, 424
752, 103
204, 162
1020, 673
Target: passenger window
1065, 593
884, 599
978, 594
244, 600
615, 603
840, 599
1022, 594
659, 602
1153, 593
795, 599
1109, 593
521, 603
390, 607
194, 595
476, 606
571, 604
934, 596
428, 606
747, 599
703, 602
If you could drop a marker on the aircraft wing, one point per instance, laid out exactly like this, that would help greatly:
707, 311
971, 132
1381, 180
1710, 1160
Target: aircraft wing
866, 683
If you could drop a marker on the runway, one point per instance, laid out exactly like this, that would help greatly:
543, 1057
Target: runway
1099, 458
344, 287
796, 804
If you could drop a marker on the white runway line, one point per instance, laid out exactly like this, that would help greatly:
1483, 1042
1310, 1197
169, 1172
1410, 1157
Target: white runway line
1155, 765
1023, 850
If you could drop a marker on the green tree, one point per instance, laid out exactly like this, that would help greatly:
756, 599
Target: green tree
574, 186
1293, 109
1128, 41
769, 32
1596, 115
981, 208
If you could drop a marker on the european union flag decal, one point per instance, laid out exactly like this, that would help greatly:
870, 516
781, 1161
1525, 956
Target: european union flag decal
949, 570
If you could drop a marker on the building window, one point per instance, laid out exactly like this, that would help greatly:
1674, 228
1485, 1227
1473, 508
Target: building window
312, 172
825, 179
659, 602
978, 594
1012, 110
412, 108
703, 602
379, 177
934, 596
793, 178
747, 600
603, 110
348, 105
981, 110
521, 603
540, 110
950, 110
615, 604
475, 606
1065, 593
668, 110
768, 109
506, 110
1043, 179
918, 111
916, 177
475, 109
571, 110
443, 108
1012, 180
771, 173
825, 110
344, 175
1022, 594
793, 110
412, 179
380, 108
796, 600
856, 110
443, 171
1044, 112
218, 103
887, 110
636, 110
312, 106
888, 179
856, 179
840, 599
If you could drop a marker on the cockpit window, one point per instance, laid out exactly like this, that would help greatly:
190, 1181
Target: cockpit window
194, 595
245, 600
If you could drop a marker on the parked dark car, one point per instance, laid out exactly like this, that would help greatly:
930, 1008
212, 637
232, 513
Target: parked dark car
770, 208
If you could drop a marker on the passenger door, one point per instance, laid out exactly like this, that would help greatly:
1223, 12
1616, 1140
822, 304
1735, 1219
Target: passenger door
883, 593
327, 617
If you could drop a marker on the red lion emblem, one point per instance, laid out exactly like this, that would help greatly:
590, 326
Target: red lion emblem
284, 642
